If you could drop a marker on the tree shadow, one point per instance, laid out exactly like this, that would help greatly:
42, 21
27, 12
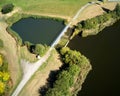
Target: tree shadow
105, 9
51, 80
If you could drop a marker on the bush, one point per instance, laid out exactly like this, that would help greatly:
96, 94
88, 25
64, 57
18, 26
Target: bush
7, 8
89, 24
73, 57
40, 49
65, 80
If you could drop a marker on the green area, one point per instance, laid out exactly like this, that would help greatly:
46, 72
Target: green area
66, 78
7, 8
38, 49
56, 7
4, 76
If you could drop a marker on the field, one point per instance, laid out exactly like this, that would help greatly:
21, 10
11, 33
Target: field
10, 51
65, 8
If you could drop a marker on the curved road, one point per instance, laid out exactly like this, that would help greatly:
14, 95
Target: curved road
30, 69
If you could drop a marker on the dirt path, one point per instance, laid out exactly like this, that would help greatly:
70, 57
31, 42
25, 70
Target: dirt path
94, 10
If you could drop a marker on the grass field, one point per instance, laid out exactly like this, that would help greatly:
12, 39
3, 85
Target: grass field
55, 7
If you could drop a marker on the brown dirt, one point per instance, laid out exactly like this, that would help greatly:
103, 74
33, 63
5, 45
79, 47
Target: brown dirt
40, 77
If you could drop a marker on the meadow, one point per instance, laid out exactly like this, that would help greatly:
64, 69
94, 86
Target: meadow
66, 8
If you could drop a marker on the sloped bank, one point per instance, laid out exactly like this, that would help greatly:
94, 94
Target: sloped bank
70, 77
94, 25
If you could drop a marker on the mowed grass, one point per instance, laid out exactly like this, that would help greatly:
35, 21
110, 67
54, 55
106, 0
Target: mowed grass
55, 7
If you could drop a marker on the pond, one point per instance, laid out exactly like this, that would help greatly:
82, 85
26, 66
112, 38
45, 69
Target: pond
43, 31
103, 50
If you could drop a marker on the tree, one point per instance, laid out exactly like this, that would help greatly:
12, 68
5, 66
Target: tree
72, 57
40, 49
53, 92
74, 70
7, 8
2, 87
6, 76
64, 50
117, 9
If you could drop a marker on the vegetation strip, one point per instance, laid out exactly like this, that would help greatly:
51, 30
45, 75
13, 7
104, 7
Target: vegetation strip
95, 25
70, 74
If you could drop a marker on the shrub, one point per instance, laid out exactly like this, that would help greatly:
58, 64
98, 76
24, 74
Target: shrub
40, 49
7, 8
2, 87
1, 60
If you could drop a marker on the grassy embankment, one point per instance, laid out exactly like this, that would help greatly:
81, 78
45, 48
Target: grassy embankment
94, 25
63, 8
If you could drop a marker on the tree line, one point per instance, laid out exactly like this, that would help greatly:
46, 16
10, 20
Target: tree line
66, 78
98, 21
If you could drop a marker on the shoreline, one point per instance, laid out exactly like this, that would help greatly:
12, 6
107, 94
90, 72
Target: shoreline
53, 17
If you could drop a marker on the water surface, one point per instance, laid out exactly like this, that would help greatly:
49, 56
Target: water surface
103, 50
43, 31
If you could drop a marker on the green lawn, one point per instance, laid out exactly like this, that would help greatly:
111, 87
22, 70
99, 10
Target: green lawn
55, 7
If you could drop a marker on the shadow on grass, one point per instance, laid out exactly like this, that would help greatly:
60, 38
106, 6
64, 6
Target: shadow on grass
51, 80
49, 84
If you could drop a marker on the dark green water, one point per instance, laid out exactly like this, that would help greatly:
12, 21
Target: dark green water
103, 50
43, 31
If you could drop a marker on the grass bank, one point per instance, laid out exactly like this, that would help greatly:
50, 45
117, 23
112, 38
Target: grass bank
94, 25
57, 7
